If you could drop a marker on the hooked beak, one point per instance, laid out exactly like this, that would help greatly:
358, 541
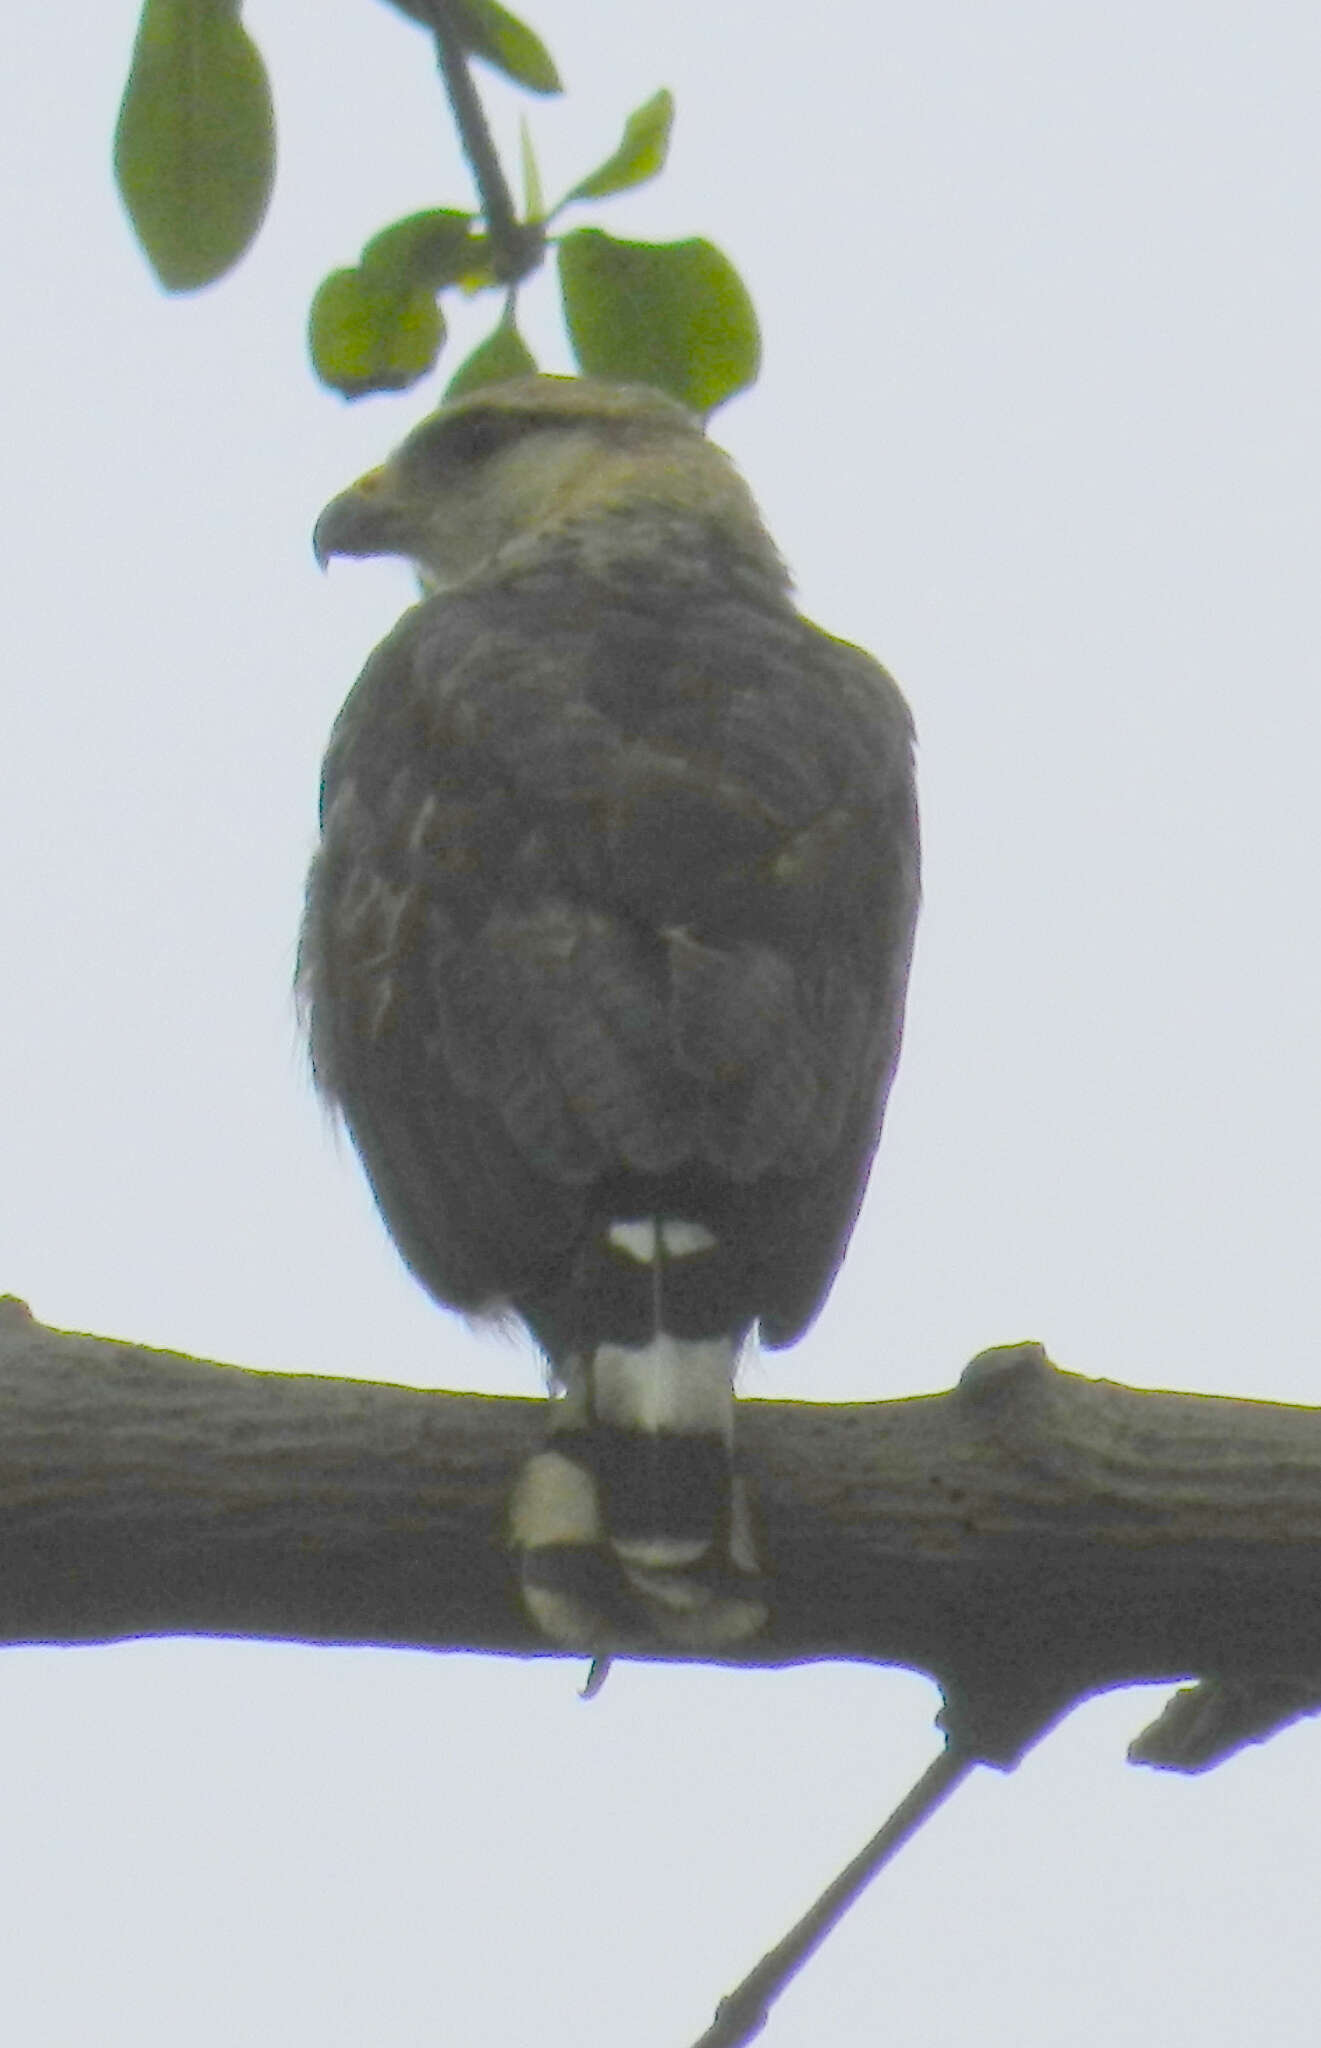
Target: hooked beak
363, 520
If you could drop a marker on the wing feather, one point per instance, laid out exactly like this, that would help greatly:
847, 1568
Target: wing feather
612, 892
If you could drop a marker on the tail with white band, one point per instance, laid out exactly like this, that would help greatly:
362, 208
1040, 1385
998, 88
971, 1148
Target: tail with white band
632, 1525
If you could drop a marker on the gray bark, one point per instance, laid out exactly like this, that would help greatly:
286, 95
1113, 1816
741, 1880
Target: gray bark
1028, 1538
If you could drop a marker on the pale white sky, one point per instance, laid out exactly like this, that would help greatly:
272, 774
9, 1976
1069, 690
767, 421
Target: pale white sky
1039, 425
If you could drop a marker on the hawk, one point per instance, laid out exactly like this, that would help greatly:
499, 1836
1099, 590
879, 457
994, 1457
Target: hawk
604, 957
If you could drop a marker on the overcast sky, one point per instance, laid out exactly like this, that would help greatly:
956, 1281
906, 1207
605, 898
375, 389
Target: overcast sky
1038, 425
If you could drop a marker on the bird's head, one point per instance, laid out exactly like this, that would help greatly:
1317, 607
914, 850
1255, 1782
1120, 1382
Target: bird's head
510, 464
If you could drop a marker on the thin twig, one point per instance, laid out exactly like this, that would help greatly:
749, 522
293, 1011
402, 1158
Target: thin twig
513, 243
743, 2013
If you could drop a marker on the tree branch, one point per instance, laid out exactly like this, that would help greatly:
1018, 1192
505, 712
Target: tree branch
1027, 1539
741, 2015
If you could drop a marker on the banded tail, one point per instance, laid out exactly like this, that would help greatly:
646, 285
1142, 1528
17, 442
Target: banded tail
632, 1525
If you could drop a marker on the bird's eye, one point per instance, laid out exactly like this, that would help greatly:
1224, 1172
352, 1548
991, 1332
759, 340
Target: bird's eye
465, 440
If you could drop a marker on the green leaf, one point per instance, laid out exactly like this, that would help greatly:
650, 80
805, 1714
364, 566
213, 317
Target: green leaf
642, 151
367, 337
424, 250
490, 31
502, 355
534, 198
671, 314
195, 140
479, 270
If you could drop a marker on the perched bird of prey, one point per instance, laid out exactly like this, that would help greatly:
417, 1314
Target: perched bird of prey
605, 954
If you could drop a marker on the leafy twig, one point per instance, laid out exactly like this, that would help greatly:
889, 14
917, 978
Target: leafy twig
515, 246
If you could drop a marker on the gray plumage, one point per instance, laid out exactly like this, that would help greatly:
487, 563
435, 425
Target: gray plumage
614, 905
